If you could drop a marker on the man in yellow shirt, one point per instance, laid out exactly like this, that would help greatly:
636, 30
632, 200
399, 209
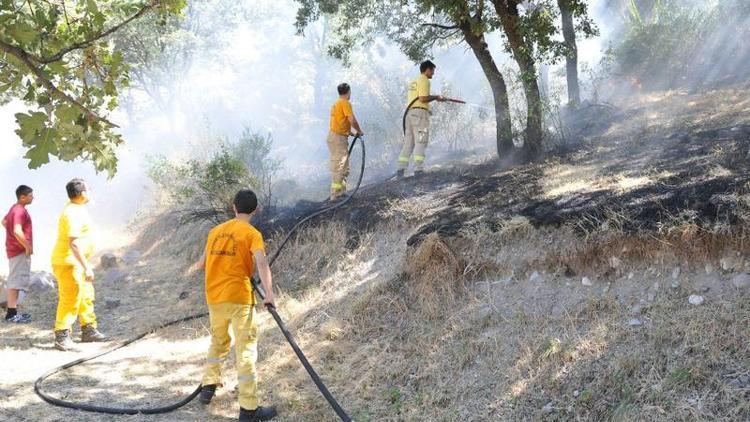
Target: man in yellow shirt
418, 120
232, 251
342, 122
74, 271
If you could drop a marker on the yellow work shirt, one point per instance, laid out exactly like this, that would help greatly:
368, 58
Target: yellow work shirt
419, 87
340, 113
229, 262
74, 222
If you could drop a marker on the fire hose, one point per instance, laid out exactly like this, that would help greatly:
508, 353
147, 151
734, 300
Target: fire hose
409, 107
38, 384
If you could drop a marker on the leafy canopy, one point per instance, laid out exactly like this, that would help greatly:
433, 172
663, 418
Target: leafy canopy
57, 58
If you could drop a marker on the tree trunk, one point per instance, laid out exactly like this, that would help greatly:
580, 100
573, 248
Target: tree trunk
571, 61
504, 135
522, 53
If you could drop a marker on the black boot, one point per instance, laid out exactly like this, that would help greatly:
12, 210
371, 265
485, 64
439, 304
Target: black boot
418, 172
259, 414
89, 334
400, 173
64, 342
207, 393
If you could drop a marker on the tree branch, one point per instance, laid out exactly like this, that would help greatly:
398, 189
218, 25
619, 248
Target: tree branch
83, 44
54, 90
439, 26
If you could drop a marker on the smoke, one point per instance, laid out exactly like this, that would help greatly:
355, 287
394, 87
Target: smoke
262, 75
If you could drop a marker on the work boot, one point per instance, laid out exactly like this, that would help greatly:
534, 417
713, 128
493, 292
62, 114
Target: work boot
418, 172
64, 342
400, 173
207, 393
89, 334
259, 414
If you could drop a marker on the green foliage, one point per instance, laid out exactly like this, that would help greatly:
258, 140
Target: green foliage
203, 189
677, 44
254, 151
56, 57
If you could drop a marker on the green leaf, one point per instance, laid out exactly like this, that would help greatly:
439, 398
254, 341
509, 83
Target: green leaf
44, 145
30, 125
22, 32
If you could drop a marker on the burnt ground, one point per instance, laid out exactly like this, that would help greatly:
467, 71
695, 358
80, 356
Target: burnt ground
655, 162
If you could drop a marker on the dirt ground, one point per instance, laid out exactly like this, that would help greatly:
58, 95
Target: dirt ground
552, 291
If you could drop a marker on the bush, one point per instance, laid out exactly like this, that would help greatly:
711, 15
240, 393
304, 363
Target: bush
682, 45
203, 189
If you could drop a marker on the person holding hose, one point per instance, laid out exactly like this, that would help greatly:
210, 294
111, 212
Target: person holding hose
233, 250
342, 122
74, 271
417, 127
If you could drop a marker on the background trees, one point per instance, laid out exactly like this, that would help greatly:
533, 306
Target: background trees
529, 31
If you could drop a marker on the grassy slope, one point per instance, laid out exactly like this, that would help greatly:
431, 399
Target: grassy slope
488, 318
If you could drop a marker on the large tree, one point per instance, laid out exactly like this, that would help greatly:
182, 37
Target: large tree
570, 12
58, 58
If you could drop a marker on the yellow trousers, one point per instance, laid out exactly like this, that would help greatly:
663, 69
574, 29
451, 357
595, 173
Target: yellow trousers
416, 139
338, 147
75, 297
242, 320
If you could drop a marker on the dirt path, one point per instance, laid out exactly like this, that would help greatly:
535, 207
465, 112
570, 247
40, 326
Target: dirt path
160, 369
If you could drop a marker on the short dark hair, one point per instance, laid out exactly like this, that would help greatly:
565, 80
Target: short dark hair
245, 201
343, 88
23, 190
426, 65
75, 188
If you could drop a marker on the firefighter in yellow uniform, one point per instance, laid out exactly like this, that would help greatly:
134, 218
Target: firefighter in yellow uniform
342, 122
74, 272
417, 133
232, 251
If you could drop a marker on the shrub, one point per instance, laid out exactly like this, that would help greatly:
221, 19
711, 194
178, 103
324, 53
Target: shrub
203, 189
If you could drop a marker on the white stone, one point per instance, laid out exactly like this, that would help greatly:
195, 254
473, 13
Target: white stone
548, 408
536, 277
675, 284
676, 273
614, 262
576, 393
586, 281
696, 300
630, 276
741, 281
635, 322
709, 269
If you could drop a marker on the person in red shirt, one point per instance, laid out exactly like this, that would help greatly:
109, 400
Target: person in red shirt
19, 247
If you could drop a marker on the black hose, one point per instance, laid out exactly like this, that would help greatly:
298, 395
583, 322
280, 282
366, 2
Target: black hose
271, 309
408, 107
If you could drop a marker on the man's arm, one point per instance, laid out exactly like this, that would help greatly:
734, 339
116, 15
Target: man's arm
201, 263
21, 238
4, 223
75, 247
431, 98
264, 271
355, 125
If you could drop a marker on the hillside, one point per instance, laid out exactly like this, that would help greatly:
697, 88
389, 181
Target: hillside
557, 290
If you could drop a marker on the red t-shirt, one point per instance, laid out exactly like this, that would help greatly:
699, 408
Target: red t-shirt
17, 215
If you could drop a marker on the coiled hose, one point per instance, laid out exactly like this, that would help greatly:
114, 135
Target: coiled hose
38, 384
